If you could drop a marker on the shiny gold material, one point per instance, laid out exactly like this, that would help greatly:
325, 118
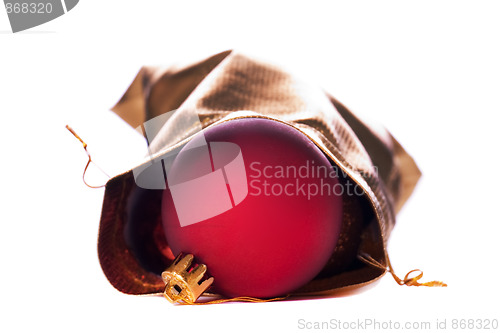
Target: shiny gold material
182, 284
230, 86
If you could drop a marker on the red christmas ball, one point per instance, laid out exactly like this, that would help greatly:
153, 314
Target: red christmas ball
255, 200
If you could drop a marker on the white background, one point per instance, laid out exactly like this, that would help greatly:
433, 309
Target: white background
428, 70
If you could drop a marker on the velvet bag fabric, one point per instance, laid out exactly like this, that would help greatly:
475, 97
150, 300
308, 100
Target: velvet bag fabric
227, 86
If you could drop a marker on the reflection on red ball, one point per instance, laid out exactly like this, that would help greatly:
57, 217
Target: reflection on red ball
273, 222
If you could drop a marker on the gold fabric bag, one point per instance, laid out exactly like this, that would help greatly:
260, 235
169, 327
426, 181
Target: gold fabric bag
227, 86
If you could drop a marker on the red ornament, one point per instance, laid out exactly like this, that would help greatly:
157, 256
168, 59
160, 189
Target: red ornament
255, 201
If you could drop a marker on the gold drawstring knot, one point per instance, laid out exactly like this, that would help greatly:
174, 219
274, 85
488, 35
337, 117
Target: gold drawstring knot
407, 281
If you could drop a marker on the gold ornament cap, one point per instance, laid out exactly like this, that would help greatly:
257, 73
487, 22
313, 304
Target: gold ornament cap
182, 281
